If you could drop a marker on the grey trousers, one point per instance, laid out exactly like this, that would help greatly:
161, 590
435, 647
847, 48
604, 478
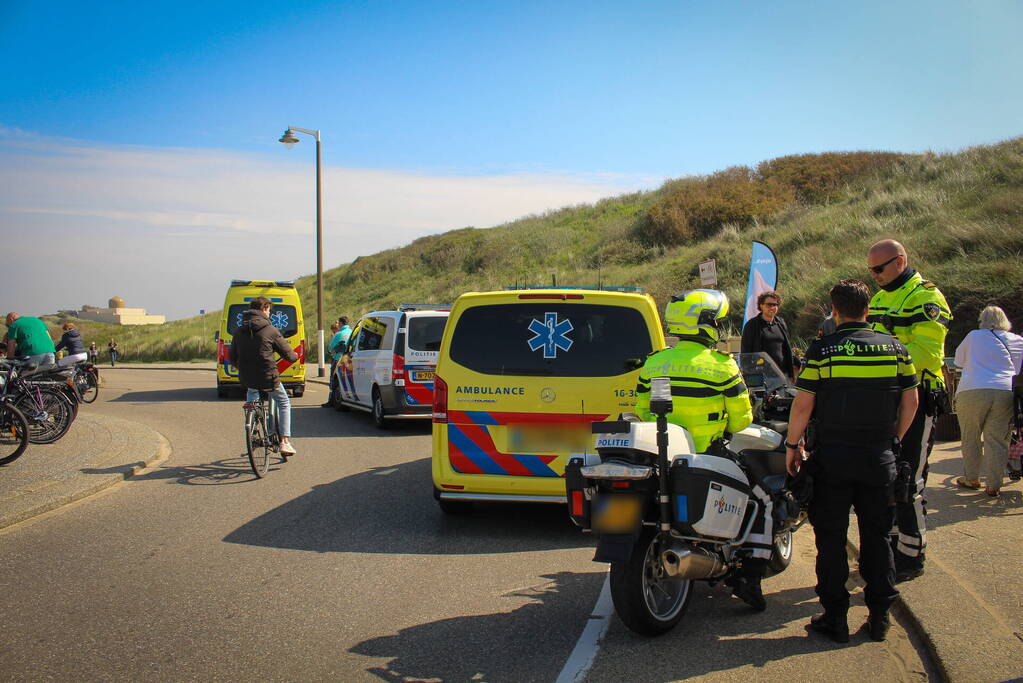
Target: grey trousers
987, 412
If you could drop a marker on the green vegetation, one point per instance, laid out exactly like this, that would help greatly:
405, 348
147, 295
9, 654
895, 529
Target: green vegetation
960, 215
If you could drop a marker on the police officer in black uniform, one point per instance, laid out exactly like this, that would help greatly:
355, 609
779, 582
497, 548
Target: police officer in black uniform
857, 387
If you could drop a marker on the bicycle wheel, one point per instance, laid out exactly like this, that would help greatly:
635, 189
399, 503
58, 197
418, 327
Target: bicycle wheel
256, 443
13, 433
48, 411
88, 385
273, 429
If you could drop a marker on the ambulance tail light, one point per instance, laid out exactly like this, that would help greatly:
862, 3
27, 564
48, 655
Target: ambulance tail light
221, 351
440, 400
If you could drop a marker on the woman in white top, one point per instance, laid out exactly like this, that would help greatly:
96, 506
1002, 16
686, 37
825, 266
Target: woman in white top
990, 357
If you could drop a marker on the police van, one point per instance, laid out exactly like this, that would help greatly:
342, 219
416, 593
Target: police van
387, 367
522, 374
285, 315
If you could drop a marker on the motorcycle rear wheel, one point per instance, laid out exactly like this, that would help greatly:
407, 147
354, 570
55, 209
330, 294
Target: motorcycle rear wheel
647, 601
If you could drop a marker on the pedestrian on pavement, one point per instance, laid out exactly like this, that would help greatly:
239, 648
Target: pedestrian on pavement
990, 357
112, 349
768, 332
28, 336
860, 388
912, 309
333, 356
252, 351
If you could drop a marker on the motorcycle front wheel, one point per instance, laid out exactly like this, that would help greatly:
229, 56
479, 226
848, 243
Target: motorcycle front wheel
646, 599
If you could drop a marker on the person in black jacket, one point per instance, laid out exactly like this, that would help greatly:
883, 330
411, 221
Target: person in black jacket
252, 351
71, 341
767, 332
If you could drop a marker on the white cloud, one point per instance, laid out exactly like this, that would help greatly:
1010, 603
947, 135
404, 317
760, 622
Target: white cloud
166, 228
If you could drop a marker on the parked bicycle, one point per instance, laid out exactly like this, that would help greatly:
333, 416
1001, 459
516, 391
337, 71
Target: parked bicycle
262, 435
13, 433
44, 402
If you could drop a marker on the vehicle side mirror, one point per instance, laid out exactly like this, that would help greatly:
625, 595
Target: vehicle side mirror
633, 364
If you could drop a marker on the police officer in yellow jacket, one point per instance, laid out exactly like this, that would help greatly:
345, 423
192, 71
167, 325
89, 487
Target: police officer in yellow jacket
913, 310
859, 386
709, 397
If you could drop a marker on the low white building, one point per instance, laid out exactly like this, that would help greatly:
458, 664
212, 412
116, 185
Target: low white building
118, 314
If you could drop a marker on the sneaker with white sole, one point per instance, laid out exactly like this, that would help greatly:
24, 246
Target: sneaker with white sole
288, 449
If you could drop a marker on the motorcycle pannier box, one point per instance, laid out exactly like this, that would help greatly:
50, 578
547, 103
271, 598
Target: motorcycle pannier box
709, 496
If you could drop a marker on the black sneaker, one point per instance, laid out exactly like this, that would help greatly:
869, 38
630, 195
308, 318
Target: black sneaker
328, 404
834, 628
749, 591
877, 627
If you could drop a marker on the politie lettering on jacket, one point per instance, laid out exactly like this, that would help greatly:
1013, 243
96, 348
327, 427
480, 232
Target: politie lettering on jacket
685, 370
491, 391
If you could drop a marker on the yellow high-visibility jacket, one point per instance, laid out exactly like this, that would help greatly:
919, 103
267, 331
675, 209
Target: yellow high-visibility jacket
919, 316
708, 394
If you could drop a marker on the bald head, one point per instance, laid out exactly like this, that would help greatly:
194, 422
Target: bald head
888, 249
890, 257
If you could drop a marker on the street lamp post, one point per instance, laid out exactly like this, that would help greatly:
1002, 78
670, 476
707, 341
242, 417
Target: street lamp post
289, 141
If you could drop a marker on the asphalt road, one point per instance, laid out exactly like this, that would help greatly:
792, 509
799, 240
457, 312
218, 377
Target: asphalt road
339, 566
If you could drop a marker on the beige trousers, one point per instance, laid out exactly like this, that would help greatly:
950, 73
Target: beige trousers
987, 412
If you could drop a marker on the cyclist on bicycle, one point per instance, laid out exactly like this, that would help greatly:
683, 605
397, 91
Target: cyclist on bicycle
252, 352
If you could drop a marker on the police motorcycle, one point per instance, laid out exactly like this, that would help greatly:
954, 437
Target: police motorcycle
666, 516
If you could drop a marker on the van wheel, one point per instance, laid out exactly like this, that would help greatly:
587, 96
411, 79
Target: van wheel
298, 392
378, 410
340, 406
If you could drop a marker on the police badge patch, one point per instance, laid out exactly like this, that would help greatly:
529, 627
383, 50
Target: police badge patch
932, 311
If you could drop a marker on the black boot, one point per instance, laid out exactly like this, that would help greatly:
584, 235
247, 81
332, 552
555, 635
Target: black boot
833, 626
877, 626
908, 568
746, 586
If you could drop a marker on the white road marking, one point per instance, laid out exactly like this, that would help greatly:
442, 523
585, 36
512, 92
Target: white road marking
585, 650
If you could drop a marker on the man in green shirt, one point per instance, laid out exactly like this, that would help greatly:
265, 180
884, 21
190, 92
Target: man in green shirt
28, 336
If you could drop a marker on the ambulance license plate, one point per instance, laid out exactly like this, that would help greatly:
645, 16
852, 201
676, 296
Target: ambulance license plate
422, 376
616, 514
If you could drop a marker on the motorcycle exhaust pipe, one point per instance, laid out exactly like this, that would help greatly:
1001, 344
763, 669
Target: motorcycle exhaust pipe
690, 562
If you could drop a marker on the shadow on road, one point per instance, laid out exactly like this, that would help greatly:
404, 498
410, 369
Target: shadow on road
392, 510
314, 422
507, 646
231, 470
713, 637
197, 394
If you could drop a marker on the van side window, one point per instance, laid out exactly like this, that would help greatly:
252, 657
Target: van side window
371, 337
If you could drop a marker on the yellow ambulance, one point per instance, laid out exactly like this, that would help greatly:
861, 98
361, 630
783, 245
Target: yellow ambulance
285, 315
520, 377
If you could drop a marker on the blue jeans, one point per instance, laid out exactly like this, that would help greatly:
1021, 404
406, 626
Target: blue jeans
280, 396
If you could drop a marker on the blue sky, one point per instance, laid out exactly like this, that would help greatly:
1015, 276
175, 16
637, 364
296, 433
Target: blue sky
444, 115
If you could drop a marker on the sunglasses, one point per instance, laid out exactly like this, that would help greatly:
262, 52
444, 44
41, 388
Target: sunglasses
880, 267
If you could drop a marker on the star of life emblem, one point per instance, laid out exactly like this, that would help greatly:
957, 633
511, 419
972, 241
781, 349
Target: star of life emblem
550, 335
279, 320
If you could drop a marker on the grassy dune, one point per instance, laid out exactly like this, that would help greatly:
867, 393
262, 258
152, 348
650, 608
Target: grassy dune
960, 215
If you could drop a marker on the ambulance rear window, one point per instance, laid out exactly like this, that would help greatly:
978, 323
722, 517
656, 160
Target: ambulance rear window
281, 316
550, 339
425, 332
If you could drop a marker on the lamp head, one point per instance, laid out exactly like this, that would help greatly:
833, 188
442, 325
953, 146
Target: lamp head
288, 139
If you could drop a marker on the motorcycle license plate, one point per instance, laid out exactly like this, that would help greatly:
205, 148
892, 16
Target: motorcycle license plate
422, 376
616, 514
